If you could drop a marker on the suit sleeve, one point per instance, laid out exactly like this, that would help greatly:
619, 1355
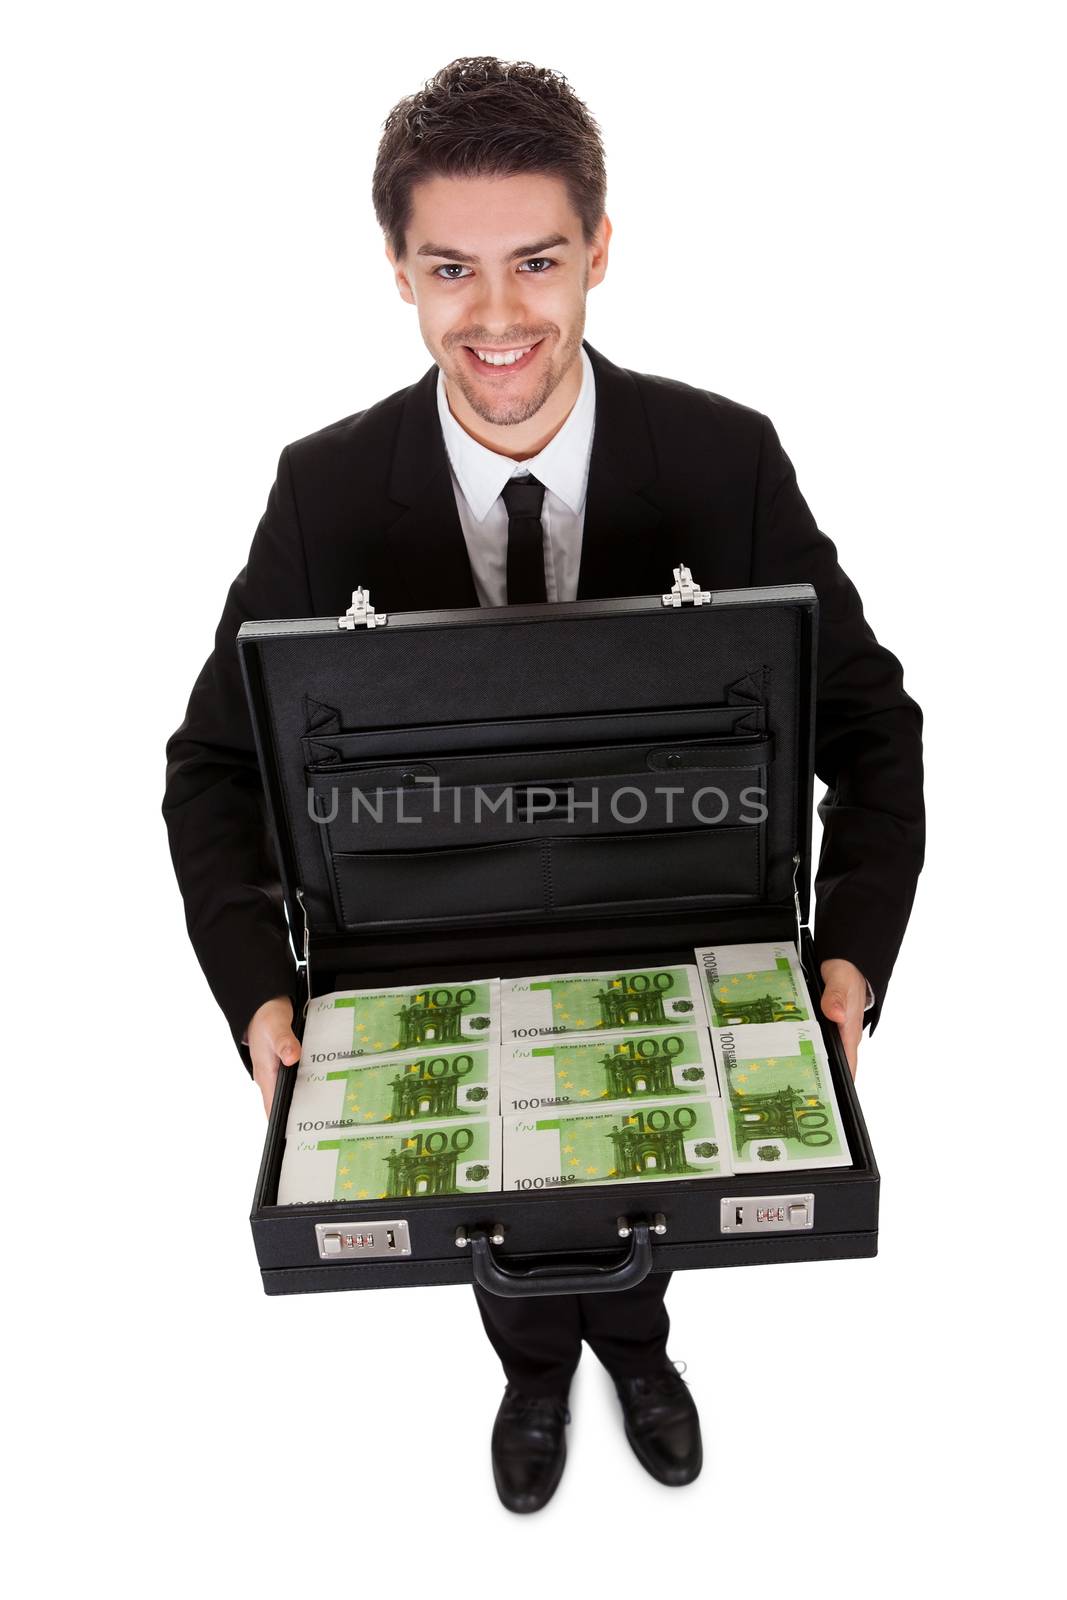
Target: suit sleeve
868, 741
213, 802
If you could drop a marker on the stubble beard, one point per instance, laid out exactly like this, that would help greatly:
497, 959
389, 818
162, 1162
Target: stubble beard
508, 411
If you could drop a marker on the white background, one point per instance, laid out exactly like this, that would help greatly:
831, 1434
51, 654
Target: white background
842, 215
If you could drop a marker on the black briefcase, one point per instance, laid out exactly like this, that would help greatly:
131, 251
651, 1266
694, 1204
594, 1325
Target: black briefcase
708, 691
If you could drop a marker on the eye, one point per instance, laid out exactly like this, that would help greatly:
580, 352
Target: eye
450, 266
542, 260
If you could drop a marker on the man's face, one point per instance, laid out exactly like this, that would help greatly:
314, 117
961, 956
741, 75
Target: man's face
496, 265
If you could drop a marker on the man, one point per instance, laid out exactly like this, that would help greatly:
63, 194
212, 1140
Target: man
526, 466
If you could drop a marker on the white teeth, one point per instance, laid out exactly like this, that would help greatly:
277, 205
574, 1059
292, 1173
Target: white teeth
494, 359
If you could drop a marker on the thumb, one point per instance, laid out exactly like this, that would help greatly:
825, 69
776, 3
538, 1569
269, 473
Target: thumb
287, 1047
834, 1003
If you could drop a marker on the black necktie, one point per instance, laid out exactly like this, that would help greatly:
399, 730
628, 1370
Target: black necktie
526, 556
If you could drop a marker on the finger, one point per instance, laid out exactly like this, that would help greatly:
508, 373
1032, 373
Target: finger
265, 1073
852, 1028
843, 1007
850, 1039
264, 1068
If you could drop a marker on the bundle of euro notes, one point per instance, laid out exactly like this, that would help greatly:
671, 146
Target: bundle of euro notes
562, 1079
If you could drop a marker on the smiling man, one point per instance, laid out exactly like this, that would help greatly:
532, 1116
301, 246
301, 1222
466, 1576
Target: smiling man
504, 323
525, 466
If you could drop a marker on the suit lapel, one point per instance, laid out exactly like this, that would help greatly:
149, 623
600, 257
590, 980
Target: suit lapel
620, 537
422, 562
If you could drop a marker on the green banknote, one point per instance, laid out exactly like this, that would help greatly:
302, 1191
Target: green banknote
396, 1162
632, 1066
377, 1022
752, 983
779, 1098
594, 1002
655, 1139
459, 1082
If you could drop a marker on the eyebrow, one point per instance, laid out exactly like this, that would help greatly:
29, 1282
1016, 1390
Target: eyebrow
470, 261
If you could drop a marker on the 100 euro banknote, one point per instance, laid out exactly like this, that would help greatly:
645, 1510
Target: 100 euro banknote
779, 1098
458, 1082
393, 1162
595, 1002
752, 983
352, 1023
578, 1071
656, 1139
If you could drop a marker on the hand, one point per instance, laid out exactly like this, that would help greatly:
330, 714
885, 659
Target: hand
272, 1044
843, 999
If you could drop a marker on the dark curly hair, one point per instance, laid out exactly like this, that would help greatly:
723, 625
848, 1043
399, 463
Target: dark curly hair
483, 117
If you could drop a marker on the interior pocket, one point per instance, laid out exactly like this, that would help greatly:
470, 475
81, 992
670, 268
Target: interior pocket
574, 761
643, 808
398, 887
334, 749
499, 882
493, 799
703, 865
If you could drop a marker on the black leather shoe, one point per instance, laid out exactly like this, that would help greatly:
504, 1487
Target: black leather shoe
662, 1424
529, 1448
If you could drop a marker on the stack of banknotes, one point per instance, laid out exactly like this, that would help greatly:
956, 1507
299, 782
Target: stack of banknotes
560, 1080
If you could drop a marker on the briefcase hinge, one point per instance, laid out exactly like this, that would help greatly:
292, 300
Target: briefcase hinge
685, 590
361, 614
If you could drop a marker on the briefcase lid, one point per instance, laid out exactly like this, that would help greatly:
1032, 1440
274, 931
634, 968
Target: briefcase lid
374, 732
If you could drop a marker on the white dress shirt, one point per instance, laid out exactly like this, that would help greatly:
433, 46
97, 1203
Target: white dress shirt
478, 478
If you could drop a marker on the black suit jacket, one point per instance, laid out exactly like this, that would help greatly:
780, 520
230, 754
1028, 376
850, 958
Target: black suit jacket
676, 474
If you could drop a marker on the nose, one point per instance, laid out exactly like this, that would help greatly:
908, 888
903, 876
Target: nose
500, 309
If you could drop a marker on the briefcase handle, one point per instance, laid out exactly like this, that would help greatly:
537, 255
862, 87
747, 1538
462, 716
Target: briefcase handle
491, 1274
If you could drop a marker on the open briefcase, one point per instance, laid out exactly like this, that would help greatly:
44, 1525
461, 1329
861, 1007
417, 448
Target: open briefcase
699, 691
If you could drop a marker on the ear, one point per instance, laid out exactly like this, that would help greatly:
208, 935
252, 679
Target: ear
400, 273
598, 251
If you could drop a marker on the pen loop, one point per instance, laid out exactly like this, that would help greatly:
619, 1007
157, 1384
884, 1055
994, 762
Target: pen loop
305, 962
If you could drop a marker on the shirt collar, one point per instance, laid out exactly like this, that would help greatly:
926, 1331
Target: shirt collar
562, 466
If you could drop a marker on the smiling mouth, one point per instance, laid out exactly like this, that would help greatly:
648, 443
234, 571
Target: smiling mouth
495, 366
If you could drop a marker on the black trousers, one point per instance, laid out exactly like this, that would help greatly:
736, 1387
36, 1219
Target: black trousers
539, 1340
